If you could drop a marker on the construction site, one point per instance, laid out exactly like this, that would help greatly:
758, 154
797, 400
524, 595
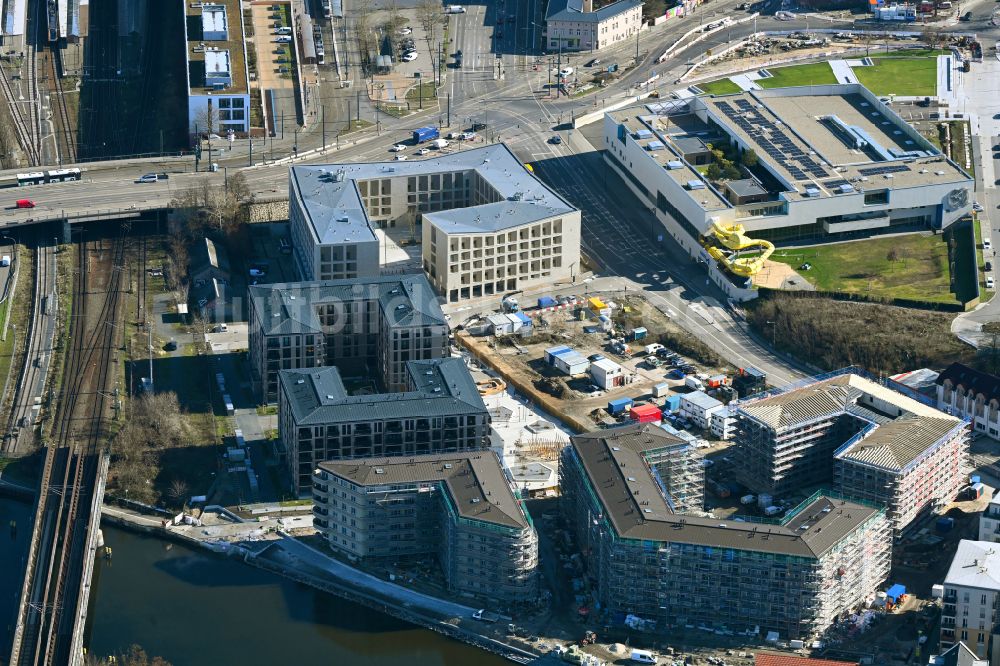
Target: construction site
573, 392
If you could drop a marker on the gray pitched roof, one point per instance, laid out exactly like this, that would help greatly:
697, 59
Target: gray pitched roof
572, 10
958, 655
333, 203
290, 307
976, 564
490, 217
475, 481
631, 498
442, 387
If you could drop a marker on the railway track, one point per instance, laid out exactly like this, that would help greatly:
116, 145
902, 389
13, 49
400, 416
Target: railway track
54, 574
20, 425
25, 137
67, 146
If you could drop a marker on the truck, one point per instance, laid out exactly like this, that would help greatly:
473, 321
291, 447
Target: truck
422, 134
484, 615
5, 260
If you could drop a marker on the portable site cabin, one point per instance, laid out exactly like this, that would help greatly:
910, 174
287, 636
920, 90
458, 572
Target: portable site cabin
550, 353
598, 307
571, 362
620, 405
500, 324
647, 413
607, 374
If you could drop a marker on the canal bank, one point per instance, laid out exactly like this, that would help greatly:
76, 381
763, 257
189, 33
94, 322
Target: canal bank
273, 551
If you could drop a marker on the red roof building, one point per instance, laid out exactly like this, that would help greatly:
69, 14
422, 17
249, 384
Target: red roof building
645, 413
787, 660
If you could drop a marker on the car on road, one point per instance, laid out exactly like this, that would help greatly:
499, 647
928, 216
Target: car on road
398, 148
24, 203
593, 62
989, 282
454, 9
171, 345
976, 206
423, 151
410, 57
556, 140
565, 72
406, 30
986, 244
477, 127
967, 16
468, 136
147, 178
400, 158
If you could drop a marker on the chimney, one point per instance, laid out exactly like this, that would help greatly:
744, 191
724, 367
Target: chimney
588, 6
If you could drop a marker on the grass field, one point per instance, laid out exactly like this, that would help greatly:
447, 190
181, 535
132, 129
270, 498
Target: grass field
900, 76
719, 87
799, 75
920, 272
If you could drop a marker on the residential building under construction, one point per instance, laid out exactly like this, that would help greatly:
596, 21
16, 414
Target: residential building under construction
648, 555
873, 443
461, 508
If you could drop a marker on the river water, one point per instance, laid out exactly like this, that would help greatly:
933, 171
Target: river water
192, 607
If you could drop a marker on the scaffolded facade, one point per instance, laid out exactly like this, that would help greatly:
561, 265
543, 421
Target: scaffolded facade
794, 576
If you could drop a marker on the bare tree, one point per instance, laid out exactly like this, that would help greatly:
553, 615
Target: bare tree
206, 119
178, 490
429, 16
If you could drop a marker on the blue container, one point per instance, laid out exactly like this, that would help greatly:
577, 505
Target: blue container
945, 524
620, 405
974, 479
547, 302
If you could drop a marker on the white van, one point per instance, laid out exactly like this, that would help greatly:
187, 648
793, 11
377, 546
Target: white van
565, 72
643, 657
283, 39
454, 9
439, 143
283, 30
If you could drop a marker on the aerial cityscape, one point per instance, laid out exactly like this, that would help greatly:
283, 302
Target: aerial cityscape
388, 332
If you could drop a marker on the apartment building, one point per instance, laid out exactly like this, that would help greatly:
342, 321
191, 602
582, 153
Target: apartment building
487, 225
217, 74
460, 507
874, 443
989, 522
319, 419
649, 556
971, 599
573, 25
368, 328
972, 395
957, 655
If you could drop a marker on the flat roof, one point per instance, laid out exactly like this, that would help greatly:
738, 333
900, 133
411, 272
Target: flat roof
442, 387
810, 136
290, 307
476, 482
701, 399
614, 462
337, 214
659, 145
975, 564
572, 10
201, 17
899, 428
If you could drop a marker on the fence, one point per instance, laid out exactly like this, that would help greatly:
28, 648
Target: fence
767, 292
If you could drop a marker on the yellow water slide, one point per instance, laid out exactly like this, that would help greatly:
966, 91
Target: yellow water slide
731, 237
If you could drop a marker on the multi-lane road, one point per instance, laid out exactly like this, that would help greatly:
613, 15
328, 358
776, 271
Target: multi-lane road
520, 110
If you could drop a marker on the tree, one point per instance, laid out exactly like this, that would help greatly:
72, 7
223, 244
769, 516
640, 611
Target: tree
714, 171
991, 332
178, 490
428, 15
750, 158
206, 119
134, 656
730, 171
892, 255
931, 37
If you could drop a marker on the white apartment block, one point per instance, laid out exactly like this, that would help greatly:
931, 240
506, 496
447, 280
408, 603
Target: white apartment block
487, 225
972, 598
216, 59
573, 25
989, 522
972, 395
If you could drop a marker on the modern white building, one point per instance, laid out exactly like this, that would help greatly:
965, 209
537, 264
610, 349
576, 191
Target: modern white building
574, 25
216, 59
698, 408
607, 374
832, 160
972, 599
972, 395
989, 522
487, 225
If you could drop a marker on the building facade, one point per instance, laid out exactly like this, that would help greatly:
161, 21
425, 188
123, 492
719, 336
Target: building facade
573, 25
698, 407
972, 395
650, 557
989, 522
367, 328
972, 599
217, 73
874, 444
461, 508
439, 410
487, 225
858, 168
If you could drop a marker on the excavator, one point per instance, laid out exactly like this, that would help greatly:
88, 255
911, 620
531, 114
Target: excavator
725, 242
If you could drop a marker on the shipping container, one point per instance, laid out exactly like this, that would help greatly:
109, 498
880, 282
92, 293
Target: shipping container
945, 524
637, 334
660, 390
620, 405
547, 302
646, 413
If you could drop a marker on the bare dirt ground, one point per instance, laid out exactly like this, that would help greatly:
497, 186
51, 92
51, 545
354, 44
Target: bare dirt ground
776, 275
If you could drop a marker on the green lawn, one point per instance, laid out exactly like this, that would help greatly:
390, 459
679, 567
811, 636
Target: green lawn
799, 75
911, 53
920, 272
719, 87
428, 91
900, 76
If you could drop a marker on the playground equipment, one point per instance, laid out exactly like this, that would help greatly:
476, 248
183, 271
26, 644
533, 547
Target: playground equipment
725, 242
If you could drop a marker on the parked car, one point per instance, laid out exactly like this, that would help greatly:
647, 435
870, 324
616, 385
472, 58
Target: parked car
593, 62
410, 57
986, 244
988, 266
976, 206
556, 140
989, 283
405, 30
